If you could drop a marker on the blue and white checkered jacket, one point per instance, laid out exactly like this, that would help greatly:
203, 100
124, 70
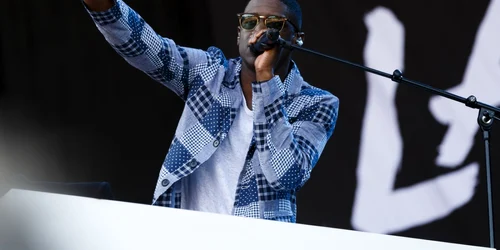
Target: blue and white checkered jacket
292, 119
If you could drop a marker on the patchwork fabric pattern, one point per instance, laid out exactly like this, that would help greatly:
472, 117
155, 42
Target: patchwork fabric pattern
287, 140
200, 102
266, 193
273, 111
165, 200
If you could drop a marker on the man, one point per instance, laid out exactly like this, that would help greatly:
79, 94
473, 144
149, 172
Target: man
252, 129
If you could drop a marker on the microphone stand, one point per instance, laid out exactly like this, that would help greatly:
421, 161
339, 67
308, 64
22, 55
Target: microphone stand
487, 114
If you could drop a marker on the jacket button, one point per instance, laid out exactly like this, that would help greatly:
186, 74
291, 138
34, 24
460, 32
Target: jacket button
216, 143
192, 163
165, 182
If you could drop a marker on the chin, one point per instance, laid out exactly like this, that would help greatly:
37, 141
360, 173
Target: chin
249, 61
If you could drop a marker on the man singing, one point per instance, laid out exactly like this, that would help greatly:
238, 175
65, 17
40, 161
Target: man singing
252, 129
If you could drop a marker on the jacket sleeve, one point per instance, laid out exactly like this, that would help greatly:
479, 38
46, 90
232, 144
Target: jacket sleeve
289, 145
178, 68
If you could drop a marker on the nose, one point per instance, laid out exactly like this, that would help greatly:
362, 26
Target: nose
261, 25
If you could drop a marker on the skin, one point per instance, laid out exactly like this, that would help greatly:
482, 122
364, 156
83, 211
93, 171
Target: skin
260, 68
272, 62
99, 5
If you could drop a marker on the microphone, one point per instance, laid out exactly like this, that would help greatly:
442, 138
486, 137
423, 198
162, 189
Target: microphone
267, 41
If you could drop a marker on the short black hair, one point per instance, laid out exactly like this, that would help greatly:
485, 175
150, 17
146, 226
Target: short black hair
293, 8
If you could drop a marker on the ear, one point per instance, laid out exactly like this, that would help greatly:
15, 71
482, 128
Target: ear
238, 38
300, 38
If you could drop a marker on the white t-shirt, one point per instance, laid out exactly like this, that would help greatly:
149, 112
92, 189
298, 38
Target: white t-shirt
212, 187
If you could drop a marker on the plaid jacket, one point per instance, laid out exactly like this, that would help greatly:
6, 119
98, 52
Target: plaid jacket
292, 119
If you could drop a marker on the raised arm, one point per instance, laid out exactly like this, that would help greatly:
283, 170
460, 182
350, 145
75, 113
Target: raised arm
179, 68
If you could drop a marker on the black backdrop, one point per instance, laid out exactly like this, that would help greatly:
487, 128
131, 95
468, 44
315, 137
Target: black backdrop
72, 110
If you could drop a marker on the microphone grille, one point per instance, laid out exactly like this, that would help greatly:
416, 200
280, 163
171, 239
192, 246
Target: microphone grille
273, 34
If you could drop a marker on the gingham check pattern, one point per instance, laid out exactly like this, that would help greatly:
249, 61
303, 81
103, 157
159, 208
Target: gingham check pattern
200, 102
292, 119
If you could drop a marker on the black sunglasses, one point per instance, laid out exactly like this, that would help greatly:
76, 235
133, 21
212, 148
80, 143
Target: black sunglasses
248, 21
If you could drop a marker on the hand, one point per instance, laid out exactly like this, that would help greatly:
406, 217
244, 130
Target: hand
265, 62
99, 5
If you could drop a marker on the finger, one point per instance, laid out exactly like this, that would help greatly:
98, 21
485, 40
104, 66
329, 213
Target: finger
255, 37
272, 52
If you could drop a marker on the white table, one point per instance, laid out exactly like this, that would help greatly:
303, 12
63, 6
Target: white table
61, 222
